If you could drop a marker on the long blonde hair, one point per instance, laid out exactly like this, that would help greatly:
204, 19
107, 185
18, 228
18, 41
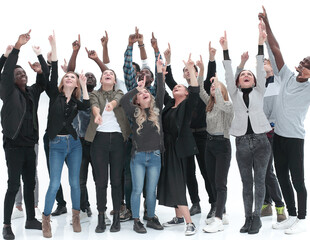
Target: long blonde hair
77, 91
212, 99
140, 114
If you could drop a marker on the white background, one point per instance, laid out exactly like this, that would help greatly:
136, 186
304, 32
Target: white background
188, 26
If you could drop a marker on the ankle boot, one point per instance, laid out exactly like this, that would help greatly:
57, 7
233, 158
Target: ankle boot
76, 221
46, 226
245, 228
101, 223
255, 225
116, 226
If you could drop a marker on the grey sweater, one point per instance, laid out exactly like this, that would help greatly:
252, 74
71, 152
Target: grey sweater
220, 118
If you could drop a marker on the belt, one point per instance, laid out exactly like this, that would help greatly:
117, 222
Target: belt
198, 129
216, 137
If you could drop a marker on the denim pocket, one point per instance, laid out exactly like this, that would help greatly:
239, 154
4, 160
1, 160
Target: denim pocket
157, 153
55, 140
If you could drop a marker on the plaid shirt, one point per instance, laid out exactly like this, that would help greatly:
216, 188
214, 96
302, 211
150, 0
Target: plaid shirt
130, 75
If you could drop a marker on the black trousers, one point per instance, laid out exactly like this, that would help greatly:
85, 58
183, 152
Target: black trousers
273, 192
20, 161
218, 157
289, 160
59, 196
86, 161
108, 148
192, 185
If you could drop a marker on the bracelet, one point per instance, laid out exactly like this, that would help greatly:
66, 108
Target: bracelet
140, 46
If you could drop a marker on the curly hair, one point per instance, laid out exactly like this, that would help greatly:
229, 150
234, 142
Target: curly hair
141, 117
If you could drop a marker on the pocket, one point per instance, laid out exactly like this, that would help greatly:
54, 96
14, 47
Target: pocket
157, 153
55, 140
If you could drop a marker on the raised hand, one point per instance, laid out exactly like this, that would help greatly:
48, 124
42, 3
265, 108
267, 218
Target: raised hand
37, 50
8, 50
76, 44
223, 41
36, 67
132, 39
91, 54
139, 37
160, 65
214, 81
105, 40
262, 33
263, 16
82, 79
167, 54
190, 63
141, 84
22, 39
154, 43
200, 64
65, 66
52, 39
212, 52
49, 57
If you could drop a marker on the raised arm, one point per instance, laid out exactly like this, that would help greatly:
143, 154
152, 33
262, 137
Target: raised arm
273, 43
211, 68
260, 71
157, 54
202, 92
4, 57
105, 52
141, 46
93, 55
76, 45
52, 90
169, 77
229, 75
225, 106
129, 73
160, 91
244, 59
190, 65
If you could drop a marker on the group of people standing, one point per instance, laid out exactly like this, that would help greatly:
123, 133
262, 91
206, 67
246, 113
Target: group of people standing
147, 139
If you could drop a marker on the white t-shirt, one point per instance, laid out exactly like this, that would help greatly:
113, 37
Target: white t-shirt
109, 122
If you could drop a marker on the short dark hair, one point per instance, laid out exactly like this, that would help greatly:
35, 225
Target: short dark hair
137, 66
196, 69
17, 66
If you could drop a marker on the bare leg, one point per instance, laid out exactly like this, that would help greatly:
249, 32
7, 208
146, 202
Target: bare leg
182, 211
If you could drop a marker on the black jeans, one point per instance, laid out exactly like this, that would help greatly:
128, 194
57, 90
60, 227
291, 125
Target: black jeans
218, 156
289, 160
108, 148
86, 161
192, 185
273, 192
253, 151
59, 196
20, 161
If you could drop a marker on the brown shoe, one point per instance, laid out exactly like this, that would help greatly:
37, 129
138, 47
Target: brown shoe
76, 221
280, 214
266, 210
46, 226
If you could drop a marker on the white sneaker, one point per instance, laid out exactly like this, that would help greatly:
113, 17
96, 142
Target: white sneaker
106, 219
215, 226
190, 229
38, 213
83, 217
17, 213
209, 220
225, 219
284, 224
298, 226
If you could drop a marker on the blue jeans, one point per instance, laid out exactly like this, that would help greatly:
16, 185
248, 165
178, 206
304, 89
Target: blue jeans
144, 164
62, 147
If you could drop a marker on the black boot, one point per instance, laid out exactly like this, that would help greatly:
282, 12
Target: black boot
245, 228
255, 226
116, 226
101, 224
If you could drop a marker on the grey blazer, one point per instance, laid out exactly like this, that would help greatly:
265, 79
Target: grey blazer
255, 111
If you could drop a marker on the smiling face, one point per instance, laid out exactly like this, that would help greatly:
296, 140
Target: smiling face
108, 78
179, 90
149, 77
246, 79
305, 63
70, 80
144, 98
20, 77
